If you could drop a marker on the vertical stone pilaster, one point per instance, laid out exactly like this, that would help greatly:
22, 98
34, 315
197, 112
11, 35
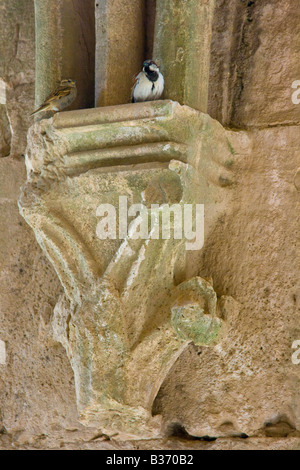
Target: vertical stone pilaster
182, 48
65, 43
120, 43
48, 37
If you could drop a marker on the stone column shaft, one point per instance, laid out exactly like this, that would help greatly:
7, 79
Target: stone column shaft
48, 47
182, 48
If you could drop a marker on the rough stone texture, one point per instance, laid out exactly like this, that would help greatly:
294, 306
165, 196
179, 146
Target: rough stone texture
29, 290
37, 398
254, 61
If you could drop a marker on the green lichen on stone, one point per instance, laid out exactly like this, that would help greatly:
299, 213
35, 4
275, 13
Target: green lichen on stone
191, 323
232, 151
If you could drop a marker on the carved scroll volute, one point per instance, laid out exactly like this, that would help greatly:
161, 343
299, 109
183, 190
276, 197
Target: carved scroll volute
128, 310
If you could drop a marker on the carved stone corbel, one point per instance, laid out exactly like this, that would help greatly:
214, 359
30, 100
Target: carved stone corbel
129, 309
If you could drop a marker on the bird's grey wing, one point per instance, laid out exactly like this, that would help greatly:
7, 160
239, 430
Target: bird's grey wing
136, 81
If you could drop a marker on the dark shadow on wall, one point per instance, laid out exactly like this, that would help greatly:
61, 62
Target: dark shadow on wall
235, 40
150, 12
5, 128
78, 61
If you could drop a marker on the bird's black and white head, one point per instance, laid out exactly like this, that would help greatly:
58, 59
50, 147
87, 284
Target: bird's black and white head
149, 83
150, 65
151, 69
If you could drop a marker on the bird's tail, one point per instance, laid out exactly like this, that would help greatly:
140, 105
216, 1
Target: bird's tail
41, 108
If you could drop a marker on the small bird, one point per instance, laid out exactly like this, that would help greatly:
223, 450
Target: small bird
149, 84
61, 98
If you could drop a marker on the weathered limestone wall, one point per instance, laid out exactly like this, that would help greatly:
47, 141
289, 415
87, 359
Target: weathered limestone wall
247, 384
254, 61
28, 285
